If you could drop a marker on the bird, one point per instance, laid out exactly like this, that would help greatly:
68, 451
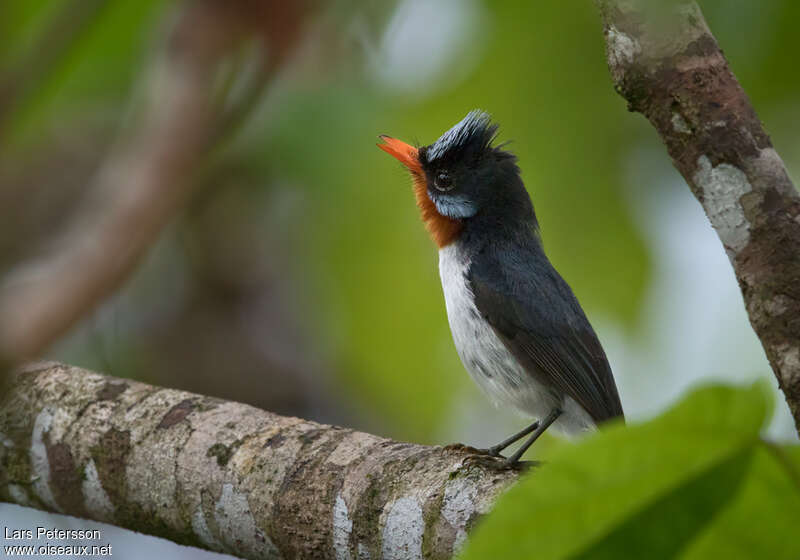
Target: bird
517, 326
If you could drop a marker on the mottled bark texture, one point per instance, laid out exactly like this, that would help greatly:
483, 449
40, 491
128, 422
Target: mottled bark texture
229, 477
666, 63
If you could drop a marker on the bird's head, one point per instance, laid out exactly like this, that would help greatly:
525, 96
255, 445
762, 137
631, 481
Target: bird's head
459, 176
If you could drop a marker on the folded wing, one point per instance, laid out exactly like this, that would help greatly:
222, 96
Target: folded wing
540, 321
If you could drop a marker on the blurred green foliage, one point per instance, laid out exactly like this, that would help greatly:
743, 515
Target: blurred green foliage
368, 274
92, 72
696, 482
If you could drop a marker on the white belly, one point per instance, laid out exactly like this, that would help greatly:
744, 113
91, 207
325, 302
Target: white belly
486, 358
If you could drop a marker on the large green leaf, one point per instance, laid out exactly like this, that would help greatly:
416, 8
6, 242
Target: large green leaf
676, 486
761, 521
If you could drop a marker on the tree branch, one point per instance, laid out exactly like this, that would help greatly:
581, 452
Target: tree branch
668, 66
136, 192
145, 180
229, 477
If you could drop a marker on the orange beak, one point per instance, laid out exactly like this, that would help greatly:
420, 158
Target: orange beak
405, 153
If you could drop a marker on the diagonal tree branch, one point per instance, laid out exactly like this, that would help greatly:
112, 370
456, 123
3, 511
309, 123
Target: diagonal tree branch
229, 477
147, 177
135, 193
668, 66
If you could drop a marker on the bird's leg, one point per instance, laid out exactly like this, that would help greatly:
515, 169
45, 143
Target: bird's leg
543, 425
495, 450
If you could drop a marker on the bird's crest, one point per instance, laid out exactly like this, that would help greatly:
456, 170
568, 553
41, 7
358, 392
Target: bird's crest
474, 133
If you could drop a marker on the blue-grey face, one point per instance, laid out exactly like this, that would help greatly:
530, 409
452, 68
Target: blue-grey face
460, 166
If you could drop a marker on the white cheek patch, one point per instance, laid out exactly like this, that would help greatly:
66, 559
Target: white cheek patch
454, 206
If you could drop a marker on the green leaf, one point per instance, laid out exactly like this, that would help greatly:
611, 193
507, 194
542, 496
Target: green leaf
666, 525
647, 490
761, 521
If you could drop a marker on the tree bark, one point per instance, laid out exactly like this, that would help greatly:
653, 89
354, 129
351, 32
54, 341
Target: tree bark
228, 477
668, 66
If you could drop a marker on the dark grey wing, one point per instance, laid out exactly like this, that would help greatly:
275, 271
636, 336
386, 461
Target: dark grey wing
538, 318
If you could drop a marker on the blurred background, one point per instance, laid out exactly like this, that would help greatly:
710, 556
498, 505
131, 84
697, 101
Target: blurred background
293, 272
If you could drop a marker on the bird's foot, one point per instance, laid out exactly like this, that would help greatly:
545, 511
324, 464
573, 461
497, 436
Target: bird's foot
490, 458
521, 466
464, 447
493, 451
482, 460
496, 462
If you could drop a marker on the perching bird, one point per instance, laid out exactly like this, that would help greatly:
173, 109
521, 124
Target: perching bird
516, 324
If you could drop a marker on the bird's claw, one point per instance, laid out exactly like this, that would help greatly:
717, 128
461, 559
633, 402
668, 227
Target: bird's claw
490, 451
464, 447
497, 463
484, 460
521, 466
490, 457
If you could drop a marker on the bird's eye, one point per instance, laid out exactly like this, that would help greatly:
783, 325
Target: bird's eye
443, 182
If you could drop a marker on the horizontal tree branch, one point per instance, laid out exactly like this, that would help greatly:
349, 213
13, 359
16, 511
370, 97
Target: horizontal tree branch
228, 477
668, 66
